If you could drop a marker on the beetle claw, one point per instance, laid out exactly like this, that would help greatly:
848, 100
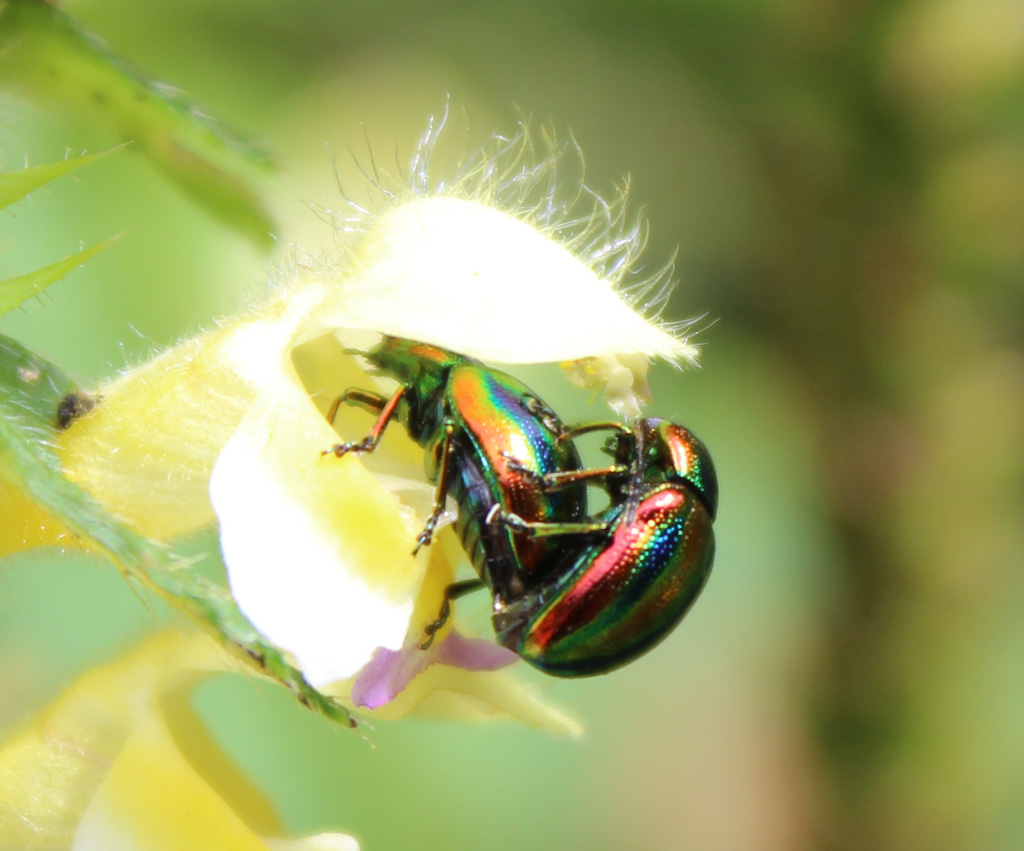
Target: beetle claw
427, 535
432, 628
510, 521
514, 465
367, 444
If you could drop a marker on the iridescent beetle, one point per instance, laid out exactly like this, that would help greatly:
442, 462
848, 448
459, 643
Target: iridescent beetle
574, 596
473, 421
609, 600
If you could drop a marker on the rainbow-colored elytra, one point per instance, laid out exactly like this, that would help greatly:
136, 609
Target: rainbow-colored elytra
610, 600
613, 600
488, 409
680, 457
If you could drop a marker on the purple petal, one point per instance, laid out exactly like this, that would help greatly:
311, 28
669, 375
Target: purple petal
473, 654
390, 671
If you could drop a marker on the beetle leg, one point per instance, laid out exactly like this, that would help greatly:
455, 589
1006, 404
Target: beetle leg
452, 592
357, 396
516, 466
572, 432
442, 489
562, 478
547, 416
543, 530
372, 401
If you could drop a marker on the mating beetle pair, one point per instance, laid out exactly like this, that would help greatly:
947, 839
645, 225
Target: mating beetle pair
574, 595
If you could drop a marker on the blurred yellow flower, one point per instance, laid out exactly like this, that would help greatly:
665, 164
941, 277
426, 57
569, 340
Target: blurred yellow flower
120, 761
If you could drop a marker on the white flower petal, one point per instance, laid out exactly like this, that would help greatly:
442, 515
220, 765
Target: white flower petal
470, 278
318, 552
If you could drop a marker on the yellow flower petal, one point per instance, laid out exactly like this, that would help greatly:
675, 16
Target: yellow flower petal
153, 799
147, 449
50, 769
120, 761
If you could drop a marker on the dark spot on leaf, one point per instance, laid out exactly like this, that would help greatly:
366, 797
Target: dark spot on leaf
73, 406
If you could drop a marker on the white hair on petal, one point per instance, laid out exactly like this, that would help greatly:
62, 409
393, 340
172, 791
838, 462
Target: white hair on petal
538, 179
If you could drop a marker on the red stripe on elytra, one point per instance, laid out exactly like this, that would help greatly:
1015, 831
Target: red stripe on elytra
589, 594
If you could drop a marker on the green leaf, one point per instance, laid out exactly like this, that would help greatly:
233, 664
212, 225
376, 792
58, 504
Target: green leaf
14, 291
31, 393
45, 53
15, 185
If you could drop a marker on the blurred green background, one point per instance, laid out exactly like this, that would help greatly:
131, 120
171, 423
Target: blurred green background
845, 185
